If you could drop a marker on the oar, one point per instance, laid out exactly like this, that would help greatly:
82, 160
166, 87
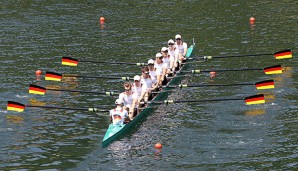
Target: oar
276, 69
267, 84
278, 55
256, 99
74, 62
52, 76
19, 107
34, 89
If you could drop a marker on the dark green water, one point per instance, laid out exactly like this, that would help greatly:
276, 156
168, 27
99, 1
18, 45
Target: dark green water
201, 136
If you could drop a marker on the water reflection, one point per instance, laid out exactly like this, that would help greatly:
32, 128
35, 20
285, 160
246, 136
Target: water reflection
253, 112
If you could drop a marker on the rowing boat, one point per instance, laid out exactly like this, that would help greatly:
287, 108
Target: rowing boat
116, 131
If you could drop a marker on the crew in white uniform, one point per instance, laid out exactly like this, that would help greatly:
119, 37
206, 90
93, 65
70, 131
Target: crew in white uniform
149, 84
160, 69
181, 48
118, 115
128, 97
166, 57
152, 72
171, 52
136, 87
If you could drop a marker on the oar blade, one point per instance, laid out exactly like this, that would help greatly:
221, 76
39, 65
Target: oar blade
69, 61
15, 106
256, 99
283, 54
268, 84
276, 69
52, 76
34, 89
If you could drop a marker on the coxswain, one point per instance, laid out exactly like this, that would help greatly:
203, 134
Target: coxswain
118, 115
171, 52
181, 48
128, 98
160, 69
151, 68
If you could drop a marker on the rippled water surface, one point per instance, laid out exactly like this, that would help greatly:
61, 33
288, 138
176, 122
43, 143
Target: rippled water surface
224, 135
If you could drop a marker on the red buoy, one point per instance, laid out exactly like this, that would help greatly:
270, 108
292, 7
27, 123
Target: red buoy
102, 19
38, 72
252, 20
158, 145
212, 74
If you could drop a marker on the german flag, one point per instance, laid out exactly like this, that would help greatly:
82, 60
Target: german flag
15, 106
268, 84
257, 99
52, 76
283, 54
69, 61
273, 70
34, 89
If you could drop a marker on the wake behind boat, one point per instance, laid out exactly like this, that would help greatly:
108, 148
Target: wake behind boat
116, 131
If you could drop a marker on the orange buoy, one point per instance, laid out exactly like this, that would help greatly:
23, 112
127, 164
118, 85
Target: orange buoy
38, 72
102, 19
252, 20
158, 145
212, 74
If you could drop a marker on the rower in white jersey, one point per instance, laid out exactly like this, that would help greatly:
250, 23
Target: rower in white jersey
136, 87
181, 48
152, 72
118, 115
171, 52
128, 98
166, 57
160, 69
149, 84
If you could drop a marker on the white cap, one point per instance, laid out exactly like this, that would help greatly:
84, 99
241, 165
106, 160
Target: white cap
178, 36
136, 77
119, 101
171, 41
158, 55
164, 49
150, 61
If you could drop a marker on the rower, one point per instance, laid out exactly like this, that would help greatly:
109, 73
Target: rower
128, 98
167, 61
118, 115
152, 72
136, 86
160, 69
149, 84
166, 57
181, 48
171, 52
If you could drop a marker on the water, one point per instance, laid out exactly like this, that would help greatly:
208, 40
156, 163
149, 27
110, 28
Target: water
225, 135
